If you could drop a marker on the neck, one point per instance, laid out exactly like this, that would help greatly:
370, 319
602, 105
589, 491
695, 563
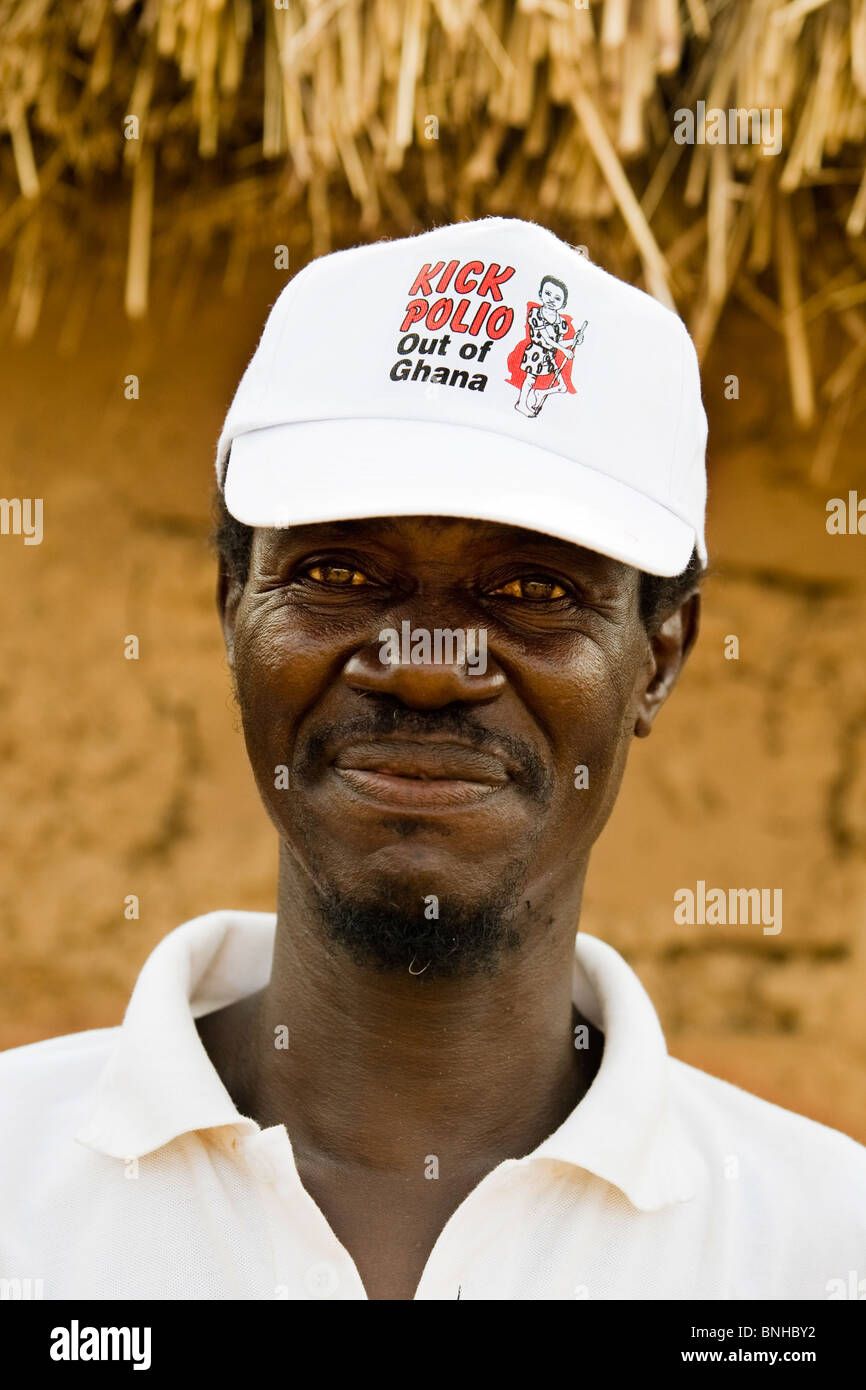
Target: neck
381, 1067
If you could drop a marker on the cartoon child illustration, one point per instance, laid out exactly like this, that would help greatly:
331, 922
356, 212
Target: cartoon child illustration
546, 328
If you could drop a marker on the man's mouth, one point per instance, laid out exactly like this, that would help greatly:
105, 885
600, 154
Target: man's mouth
420, 773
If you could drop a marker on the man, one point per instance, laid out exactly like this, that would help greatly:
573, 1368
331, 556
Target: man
410, 1082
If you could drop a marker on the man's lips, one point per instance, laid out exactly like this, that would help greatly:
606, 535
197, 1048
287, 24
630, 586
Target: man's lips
428, 772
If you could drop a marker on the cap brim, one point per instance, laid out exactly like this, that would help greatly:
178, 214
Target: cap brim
330, 470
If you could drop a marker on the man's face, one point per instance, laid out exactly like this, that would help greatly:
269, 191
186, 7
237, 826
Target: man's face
432, 808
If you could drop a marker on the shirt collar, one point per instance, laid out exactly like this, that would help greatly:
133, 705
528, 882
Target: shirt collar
626, 1128
159, 1082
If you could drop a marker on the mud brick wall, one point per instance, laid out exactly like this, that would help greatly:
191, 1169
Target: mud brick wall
129, 777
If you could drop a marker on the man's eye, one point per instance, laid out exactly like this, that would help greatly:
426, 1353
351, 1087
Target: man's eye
340, 575
532, 587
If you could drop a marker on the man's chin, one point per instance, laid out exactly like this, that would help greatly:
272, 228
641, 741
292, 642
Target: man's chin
438, 937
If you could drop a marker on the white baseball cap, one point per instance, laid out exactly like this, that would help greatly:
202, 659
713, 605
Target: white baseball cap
485, 370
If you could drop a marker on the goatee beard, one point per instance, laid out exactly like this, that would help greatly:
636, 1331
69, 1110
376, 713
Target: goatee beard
464, 939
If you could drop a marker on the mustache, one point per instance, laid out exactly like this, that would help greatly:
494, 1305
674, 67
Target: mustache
399, 721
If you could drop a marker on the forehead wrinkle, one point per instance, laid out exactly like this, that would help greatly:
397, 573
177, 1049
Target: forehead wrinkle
505, 534
483, 532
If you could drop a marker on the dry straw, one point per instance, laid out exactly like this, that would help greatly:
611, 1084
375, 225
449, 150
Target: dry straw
342, 119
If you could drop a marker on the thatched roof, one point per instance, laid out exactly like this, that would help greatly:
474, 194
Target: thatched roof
320, 123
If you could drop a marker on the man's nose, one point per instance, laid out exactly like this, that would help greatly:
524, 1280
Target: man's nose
377, 668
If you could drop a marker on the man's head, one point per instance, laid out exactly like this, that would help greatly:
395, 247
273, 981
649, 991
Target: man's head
376, 523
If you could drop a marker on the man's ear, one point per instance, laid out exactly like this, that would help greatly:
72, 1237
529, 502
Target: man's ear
670, 645
228, 595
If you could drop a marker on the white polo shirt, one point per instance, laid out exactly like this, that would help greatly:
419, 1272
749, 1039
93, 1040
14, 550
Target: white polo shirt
127, 1172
